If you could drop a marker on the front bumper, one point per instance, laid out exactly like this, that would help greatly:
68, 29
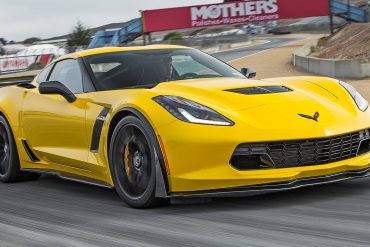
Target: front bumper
275, 187
219, 178
199, 160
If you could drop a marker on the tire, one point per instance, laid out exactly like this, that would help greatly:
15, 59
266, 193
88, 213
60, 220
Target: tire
133, 163
9, 161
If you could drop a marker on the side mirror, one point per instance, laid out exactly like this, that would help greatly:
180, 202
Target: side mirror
55, 87
249, 73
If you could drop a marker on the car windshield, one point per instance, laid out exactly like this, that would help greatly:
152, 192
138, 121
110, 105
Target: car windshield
147, 68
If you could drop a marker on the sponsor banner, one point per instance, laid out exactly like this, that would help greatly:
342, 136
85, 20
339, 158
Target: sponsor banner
21, 63
231, 13
15, 63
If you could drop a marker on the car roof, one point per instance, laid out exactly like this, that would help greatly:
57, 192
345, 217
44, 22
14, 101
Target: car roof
103, 50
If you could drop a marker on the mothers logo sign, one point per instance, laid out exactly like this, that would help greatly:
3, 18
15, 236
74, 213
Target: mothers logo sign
231, 13
234, 13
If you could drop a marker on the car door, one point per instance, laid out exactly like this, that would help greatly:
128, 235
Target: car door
54, 128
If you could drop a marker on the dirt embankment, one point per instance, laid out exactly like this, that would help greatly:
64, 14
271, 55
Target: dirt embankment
351, 42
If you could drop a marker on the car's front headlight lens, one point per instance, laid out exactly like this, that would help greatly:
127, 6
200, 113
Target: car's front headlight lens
189, 111
361, 102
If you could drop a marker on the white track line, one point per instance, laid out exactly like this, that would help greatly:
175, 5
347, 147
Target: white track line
237, 48
291, 42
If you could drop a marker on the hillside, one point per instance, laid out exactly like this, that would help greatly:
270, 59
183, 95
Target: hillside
351, 42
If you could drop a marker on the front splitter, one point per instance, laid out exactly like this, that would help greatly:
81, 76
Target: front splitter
275, 187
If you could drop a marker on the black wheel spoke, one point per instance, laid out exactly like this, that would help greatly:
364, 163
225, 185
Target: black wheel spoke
3, 158
4, 163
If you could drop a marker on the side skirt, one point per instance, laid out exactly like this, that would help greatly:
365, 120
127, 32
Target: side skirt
71, 177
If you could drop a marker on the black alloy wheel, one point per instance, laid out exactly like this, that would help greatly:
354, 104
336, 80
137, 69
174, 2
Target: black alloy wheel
133, 163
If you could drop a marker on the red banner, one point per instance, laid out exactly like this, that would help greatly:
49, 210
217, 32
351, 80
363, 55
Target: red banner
231, 13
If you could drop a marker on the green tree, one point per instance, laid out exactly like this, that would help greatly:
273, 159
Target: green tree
80, 35
173, 36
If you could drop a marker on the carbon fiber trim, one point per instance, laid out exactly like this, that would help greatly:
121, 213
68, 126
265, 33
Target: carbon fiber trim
275, 187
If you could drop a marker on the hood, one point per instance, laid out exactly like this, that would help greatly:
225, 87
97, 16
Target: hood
268, 105
241, 94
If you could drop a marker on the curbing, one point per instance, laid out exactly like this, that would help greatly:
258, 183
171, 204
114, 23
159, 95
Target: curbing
346, 68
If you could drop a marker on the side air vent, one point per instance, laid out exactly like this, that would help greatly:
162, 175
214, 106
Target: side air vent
98, 126
29, 152
260, 90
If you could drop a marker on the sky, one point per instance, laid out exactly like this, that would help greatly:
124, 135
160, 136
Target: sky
21, 19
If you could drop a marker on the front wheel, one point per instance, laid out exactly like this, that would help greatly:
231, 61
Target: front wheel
133, 161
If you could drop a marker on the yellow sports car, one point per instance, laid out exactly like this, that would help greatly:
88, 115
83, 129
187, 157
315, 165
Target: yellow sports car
161, 122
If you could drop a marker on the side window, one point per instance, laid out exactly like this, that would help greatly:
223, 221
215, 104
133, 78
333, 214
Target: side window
43, 76
68, 73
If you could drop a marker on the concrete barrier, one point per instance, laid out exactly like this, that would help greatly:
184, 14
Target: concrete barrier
346, 68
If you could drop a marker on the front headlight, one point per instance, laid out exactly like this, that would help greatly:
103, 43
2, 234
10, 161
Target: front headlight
191, 112
361, 102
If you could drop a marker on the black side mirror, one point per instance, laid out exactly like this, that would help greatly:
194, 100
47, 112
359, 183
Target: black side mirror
249, 73
55, 87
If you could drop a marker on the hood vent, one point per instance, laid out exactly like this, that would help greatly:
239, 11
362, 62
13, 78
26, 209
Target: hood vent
260, 90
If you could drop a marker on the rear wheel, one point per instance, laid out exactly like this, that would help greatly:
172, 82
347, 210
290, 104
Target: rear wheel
133, 163
9, 160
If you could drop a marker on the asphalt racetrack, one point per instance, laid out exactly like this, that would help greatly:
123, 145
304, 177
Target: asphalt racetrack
54, 212
238, 53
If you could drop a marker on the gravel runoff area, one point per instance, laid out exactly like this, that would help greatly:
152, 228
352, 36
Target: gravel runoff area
277, 62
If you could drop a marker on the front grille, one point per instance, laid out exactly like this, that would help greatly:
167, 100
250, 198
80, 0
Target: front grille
306, 152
